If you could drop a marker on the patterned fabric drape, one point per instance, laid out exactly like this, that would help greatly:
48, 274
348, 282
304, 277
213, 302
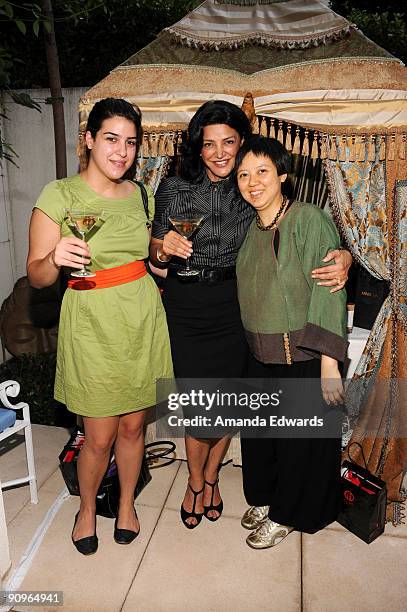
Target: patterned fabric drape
374, 226
151, 170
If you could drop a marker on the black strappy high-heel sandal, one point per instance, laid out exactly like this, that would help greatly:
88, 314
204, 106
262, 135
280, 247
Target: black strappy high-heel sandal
187, 515
218, 508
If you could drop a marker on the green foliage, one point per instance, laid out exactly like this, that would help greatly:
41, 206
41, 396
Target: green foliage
383, 21
36, 374
385, 29
93, 37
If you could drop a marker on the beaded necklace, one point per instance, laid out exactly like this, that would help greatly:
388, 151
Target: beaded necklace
272, 225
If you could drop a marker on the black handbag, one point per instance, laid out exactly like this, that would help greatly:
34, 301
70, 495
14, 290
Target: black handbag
370, 294
108, 495
364, 499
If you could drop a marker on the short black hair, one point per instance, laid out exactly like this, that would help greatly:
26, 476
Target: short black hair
115, 107
213, 112
269, 147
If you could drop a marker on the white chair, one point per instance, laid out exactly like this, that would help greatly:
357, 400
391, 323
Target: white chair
9, 425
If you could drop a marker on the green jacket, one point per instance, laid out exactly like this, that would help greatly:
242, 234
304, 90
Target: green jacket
286, 315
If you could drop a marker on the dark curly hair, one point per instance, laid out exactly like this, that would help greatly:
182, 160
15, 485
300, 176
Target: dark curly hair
211, 113
115, 107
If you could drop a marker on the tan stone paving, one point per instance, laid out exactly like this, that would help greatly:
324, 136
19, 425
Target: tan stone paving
209, 569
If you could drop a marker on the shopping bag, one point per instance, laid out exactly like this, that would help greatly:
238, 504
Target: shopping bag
364, 499
108, 495
369, 297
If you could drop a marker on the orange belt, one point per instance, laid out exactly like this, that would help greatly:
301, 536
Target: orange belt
110, 277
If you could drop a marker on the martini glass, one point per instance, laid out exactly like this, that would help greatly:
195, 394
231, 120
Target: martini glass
186, 226
83, 225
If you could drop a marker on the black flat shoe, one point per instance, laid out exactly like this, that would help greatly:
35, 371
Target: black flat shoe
218, 508
196, 515
88, 545
124, 536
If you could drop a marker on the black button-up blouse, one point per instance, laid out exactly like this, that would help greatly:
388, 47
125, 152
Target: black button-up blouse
226, 217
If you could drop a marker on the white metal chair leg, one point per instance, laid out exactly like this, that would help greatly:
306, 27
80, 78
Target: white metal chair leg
8, 389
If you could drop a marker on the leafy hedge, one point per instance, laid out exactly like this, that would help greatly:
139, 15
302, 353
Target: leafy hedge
36, 373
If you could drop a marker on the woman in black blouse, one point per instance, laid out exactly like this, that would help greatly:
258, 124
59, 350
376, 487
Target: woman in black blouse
207, 338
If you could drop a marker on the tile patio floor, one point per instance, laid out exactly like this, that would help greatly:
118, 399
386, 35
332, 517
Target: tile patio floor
209, 569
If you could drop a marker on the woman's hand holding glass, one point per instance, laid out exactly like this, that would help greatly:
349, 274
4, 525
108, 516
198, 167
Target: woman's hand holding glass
71, 252
175, 244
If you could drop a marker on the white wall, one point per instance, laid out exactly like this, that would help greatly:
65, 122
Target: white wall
31, 135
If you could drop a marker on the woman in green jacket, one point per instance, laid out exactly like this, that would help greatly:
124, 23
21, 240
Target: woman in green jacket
295, 329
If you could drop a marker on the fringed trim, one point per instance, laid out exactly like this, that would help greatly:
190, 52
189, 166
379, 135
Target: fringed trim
397, 513
185, 38
353, 147
154, 144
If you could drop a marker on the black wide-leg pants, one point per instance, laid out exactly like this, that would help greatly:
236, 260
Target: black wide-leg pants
299, 478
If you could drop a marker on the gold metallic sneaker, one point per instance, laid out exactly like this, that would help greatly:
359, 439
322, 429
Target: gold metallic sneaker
268, 534
254, 517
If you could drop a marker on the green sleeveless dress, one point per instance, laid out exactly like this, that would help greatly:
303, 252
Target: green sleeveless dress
113, 343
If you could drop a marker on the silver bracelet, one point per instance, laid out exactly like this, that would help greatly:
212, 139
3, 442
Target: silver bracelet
164, 261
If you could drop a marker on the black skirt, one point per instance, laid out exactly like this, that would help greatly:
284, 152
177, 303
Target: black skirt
299, 478
206, 332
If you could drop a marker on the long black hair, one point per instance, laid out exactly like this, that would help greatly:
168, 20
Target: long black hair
115, 107
211, 113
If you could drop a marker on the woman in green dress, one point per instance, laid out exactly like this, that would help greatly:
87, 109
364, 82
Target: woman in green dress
113, 341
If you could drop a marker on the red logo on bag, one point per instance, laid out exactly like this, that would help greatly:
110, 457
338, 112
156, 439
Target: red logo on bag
348, 495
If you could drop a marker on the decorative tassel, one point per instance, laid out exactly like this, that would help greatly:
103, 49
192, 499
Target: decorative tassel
272, 129
179, 141
352, 148
288, 143
333, 150
305, 144
170, 145
280, 135
371, 149
361, 148
392, 148
402, 146
153, 145
161, 144
382, 148
263, 127
323, 146
314, 150
342, 151
296, 146
146, 148
255, 126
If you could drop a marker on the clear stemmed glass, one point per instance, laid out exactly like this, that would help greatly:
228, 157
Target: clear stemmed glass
186, 225
83, 225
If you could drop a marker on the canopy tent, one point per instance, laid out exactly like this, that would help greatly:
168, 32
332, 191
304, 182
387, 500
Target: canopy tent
310, 78
302, 63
